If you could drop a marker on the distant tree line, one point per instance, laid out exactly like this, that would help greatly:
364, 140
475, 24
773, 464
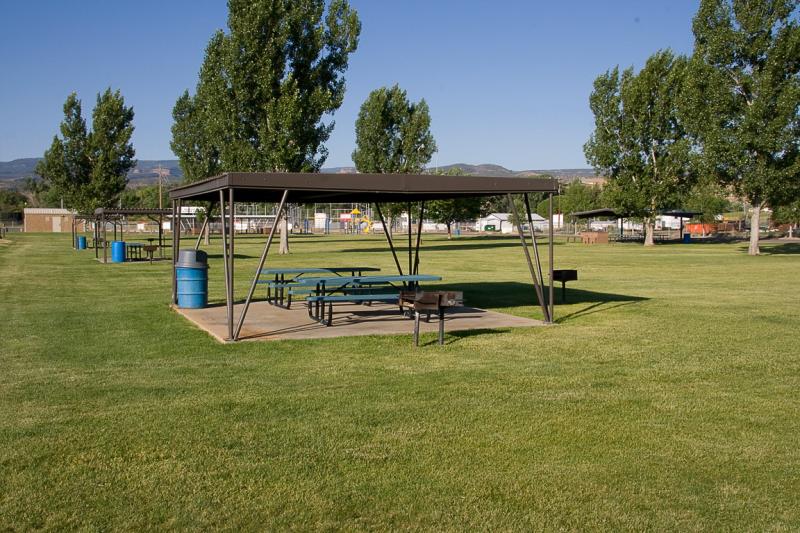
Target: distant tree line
12, 204
723, 120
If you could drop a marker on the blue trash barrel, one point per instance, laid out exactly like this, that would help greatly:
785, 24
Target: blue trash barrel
191, 272
687, 238
81, 242
118, 252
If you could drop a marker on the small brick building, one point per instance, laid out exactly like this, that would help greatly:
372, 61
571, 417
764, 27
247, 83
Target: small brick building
48, 220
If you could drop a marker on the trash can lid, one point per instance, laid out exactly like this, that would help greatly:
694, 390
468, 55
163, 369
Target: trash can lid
192, 259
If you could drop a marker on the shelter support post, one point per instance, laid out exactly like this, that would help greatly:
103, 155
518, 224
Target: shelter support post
261, 261
232, 230
419, 238
161, 236
535, 245
200, 236
177, 231
105, 240
388, 237
536, 284
410, 263
550, 247
226, 265
174, 260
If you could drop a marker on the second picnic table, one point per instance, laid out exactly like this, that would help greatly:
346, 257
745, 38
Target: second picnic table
283, 277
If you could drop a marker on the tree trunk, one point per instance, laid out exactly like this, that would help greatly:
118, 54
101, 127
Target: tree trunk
207, 237
755, 221
791, 231
449, 233
284, 229
649, 230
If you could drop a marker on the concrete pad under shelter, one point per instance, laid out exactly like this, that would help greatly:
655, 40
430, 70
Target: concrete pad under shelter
267, 322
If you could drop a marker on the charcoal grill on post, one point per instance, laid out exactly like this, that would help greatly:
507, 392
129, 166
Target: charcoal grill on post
430, 302
564, 276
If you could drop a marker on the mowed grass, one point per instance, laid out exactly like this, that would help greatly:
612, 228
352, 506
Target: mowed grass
667, 397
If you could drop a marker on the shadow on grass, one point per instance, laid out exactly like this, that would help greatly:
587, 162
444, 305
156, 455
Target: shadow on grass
789, 248
501, 294
465, 334
456, 244
595, 308
235, 256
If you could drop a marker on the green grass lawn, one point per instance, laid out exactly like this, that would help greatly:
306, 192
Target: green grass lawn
667, 397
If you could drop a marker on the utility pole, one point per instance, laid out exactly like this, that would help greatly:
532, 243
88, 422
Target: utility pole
160, 179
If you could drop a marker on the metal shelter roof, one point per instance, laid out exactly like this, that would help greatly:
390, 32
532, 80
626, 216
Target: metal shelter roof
316, 187
111, 211
681, 213
596, 213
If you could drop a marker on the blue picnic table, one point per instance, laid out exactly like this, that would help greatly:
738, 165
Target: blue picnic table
322, 290
283, 277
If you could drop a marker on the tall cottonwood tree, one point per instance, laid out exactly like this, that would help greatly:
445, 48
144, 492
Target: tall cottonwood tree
744, 99
393, 136
265, 88
112, 153
65, 167
638, 142
88, 169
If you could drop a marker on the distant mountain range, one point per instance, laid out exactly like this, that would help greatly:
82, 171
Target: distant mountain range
12, 173
487, 169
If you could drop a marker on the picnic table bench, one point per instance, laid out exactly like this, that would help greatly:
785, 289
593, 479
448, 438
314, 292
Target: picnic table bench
354, 289
134, 250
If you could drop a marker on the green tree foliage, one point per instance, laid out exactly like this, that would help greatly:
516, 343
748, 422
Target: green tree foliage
66, 167
708, 198
576, 197
198, 156
265, 87
89, 169
392, 134
789, 214
111, 152
449, 212
744, 98
638, 141
11, 204
144, 197
39, 193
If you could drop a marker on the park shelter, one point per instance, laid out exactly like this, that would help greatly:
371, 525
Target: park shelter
600, 213
303, 188
681, 215
103, 215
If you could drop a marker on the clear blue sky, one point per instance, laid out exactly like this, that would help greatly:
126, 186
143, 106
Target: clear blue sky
507, 81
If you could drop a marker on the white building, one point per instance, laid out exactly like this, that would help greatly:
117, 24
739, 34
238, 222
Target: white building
500, 222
